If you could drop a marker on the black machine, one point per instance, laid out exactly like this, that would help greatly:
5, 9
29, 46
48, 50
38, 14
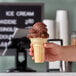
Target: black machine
21, 45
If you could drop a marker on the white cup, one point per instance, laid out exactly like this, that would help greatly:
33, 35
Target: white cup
51, 27
62, 27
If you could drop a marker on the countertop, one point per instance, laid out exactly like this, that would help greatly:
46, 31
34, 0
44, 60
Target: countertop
37, 74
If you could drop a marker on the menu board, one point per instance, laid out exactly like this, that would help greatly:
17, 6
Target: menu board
14, 16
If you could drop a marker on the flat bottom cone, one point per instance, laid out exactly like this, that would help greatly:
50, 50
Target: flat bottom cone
39, 50
39, 54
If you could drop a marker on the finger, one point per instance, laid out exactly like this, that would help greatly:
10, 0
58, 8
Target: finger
49, 45
33, 58
30, 53
31, 45
31, 49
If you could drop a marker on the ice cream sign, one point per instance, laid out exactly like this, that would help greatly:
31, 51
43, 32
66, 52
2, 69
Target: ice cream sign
17, 15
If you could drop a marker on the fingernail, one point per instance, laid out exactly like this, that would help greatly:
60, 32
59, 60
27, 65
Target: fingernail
44, 45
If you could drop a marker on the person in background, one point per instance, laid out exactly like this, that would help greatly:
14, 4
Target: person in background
54, 52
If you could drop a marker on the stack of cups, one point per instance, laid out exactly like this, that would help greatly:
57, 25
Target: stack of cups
62, 29
51, 27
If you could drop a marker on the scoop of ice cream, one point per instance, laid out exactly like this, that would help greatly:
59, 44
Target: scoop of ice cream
38, 30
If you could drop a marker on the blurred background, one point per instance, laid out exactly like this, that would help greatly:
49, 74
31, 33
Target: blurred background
50, 7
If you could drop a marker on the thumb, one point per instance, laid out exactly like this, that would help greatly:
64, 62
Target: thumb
49, 45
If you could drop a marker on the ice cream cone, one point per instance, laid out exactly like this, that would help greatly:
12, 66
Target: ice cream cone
39, 50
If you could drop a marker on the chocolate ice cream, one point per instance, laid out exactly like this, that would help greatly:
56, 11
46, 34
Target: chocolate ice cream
38, 36
38, 30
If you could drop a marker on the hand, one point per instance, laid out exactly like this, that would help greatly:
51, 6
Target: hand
52, 52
